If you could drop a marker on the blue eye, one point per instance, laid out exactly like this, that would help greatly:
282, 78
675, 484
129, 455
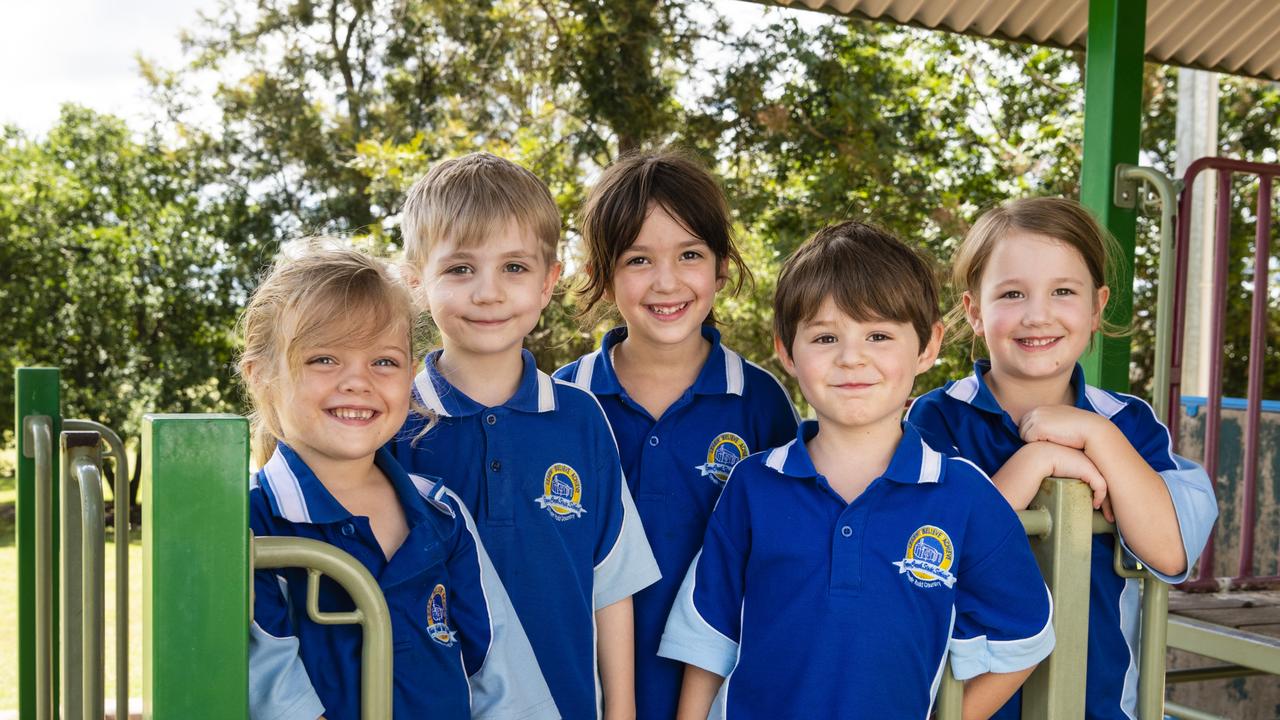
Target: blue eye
458, 270
321, 360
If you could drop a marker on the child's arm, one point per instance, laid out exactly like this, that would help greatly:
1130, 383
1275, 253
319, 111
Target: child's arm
697, 693
616, 652
1143, 507
1003, 610
1020, 477
502, 671
987, 693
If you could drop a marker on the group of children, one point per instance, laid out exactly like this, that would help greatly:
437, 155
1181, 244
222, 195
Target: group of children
651, 531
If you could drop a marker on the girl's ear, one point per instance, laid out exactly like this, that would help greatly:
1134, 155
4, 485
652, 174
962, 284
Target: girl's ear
722, 273
972, 312
787, 363
1100, 304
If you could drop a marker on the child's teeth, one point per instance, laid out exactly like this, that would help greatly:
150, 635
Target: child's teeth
352, 414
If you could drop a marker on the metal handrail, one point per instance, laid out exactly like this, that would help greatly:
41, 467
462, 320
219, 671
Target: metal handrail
39, 447
83, 550
117, 451
371, 607
1128, 177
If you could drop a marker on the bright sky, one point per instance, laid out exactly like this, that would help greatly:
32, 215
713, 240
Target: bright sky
58, 51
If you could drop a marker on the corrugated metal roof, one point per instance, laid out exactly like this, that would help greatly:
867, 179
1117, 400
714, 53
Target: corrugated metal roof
1240, 37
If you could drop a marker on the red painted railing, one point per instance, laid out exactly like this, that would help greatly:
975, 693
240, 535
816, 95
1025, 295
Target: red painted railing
1226, 169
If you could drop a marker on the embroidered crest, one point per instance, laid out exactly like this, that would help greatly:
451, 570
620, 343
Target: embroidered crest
725, 452
929, 558
561, 493
438, 618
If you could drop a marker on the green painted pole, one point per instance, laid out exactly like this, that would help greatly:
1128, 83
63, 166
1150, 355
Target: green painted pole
37, 423
1053, 690
1112, 125
195, 566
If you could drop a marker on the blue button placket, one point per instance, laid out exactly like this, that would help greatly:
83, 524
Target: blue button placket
847, 534
498, 483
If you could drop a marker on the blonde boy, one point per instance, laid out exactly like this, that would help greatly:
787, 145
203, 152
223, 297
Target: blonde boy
533, 457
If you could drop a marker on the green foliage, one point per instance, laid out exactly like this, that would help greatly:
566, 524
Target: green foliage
136, 253
129, 272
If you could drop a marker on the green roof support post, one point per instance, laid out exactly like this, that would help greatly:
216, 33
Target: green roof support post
37, 424
195, 566
1112, 128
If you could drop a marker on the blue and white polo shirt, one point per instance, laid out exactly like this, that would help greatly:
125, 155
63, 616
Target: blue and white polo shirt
964, 418
814, 607
459, 650
676, 466
541, 473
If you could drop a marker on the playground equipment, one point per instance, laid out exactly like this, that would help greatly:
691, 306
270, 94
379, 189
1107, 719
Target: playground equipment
197, 576
197, 568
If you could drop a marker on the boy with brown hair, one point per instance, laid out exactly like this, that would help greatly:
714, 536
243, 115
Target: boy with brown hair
803, 569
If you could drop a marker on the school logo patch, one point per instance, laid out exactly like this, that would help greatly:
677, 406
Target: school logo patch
929, 558
438, 618
725, 452
561, 493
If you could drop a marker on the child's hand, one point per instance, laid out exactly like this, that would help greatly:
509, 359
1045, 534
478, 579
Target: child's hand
1065, 462
1061, 424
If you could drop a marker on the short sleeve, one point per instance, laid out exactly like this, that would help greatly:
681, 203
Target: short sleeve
624, 562
1196, 508
704, 627
502, 671
1189, 485
1003, 609
279, 687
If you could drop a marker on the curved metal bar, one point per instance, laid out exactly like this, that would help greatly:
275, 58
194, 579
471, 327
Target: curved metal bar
1167, 191
371, 608
119, 454
83, 543
39, 429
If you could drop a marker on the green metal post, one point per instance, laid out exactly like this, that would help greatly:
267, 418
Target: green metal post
37, 422
195, 566
950, 701
1053, 691
1112, 124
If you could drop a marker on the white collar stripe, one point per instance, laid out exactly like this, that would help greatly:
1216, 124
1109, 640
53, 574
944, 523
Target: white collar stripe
930, 464
288, 491
546, 393
430, 397
777, 458
733, 373
586, 368
1102, 401
964, 390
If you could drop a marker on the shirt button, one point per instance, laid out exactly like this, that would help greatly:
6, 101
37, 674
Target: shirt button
846, 531
348, 529
653, 440
491, 419
495, 466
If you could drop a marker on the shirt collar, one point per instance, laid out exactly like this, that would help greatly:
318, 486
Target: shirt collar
297, 495
535, 393
975, 391
913, 461
723, 373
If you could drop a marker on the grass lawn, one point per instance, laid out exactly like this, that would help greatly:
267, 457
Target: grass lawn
9, 604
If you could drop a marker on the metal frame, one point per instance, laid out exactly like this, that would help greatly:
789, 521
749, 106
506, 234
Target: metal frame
83, 549
371, 612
